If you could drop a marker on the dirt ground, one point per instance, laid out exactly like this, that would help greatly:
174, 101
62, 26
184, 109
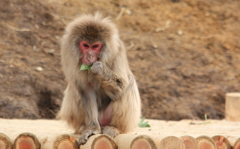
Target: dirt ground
185, 54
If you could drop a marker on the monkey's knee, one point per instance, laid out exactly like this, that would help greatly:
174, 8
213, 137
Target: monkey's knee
111, 131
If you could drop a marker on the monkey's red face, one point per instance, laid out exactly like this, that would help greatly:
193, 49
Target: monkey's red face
90, 52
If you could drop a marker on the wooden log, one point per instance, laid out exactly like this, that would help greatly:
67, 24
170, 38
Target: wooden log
221, 142
131, 141
5, 142
237, 144
171, 142
205, 142
26, 141
143, 142
99, 141
232, 108
124, 140
189, 142
65, 142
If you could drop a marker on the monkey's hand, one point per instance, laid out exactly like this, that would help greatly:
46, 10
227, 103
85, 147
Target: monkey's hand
113, 84
97, 68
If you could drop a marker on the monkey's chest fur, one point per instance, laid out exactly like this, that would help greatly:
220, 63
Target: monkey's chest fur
99, 96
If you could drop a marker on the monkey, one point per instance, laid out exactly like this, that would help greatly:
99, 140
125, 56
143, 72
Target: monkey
106, 99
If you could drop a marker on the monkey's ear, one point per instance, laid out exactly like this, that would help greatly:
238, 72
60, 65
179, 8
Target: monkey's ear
98, 15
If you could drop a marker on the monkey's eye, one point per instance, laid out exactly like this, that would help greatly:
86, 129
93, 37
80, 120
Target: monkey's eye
85, 45
95, 46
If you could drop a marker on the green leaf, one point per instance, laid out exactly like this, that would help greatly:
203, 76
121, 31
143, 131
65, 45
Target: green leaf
142, 120
85, 67
143, 124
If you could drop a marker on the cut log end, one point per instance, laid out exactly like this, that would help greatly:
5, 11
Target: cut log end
143, 142
189, 142
221, 142
65, 142
205, 142
237, 144
171, 142
103, 142
26, 141
5, 142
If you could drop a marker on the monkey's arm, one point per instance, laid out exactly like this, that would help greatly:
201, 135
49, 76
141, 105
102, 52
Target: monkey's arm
113, 84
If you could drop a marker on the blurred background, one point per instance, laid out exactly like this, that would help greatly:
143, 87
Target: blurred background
185, 54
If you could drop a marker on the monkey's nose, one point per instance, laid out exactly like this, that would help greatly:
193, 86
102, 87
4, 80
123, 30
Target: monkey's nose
89, 58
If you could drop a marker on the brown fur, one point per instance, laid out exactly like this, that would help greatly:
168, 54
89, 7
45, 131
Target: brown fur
109, 88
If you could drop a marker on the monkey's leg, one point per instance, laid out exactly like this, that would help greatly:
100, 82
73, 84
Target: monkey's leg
127, 111
104, 120
92, 126
113, 84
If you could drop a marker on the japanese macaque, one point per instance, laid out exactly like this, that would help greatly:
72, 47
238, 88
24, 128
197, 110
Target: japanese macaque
104, 100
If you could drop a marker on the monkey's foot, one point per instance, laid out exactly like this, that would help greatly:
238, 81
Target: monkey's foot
86, 134
111, 131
